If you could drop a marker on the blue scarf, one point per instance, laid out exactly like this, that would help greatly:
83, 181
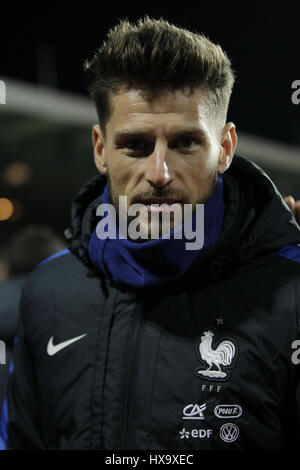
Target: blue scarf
157, 261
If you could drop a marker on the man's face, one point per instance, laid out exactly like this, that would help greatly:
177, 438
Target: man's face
164, 150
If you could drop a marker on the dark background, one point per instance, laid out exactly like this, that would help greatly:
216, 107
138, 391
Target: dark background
48, 44
262, 40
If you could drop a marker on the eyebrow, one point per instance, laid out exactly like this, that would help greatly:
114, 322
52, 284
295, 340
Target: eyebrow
132, 134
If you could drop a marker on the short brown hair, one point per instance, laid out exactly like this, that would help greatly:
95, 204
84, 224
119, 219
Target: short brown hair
155, 55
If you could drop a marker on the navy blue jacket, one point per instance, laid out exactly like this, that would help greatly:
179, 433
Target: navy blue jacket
205, 362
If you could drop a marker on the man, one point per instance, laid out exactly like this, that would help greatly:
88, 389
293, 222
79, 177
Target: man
138, 342
29, 247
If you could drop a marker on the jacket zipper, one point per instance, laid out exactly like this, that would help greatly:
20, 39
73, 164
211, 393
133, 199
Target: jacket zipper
130, 376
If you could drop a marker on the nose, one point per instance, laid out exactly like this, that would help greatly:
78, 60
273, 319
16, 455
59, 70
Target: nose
157, 170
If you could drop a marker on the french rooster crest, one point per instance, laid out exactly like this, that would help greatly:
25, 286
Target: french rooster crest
223, 355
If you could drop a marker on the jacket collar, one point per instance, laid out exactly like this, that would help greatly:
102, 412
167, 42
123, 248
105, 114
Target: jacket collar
257, 221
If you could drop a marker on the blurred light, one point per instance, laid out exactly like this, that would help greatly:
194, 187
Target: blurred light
18, 211
6, 208
17, 174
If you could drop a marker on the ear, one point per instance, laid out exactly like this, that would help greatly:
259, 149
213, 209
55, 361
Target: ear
228, 145
99, 149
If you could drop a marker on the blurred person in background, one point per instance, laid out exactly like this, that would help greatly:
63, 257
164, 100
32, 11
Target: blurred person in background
146, 345
3, 265
30, 246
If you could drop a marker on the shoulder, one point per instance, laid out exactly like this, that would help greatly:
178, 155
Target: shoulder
286, 263
61, 269
57, 290
289, 252
288, 275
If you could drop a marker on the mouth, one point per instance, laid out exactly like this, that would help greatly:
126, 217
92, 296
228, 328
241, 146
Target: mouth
160, 204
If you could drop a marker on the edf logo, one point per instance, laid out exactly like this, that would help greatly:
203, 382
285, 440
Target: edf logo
2, 92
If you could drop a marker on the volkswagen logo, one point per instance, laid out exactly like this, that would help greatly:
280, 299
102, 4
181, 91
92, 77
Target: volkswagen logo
229, 432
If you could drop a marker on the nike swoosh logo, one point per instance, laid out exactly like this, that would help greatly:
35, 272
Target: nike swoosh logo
55, 348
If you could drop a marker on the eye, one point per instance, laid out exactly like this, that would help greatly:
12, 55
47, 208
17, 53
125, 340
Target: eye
137, 147
184, 143
136, 144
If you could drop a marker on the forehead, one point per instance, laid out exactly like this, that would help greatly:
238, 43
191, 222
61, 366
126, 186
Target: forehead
168, 109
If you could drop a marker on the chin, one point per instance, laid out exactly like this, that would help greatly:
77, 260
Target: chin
148, 232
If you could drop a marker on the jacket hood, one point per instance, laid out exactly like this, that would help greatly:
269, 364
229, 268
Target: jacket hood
257, 222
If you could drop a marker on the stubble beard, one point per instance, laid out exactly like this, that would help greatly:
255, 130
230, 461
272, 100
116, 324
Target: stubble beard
114, 199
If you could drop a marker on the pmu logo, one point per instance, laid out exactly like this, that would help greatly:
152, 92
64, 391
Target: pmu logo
225, 411
2, 92
194, 411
